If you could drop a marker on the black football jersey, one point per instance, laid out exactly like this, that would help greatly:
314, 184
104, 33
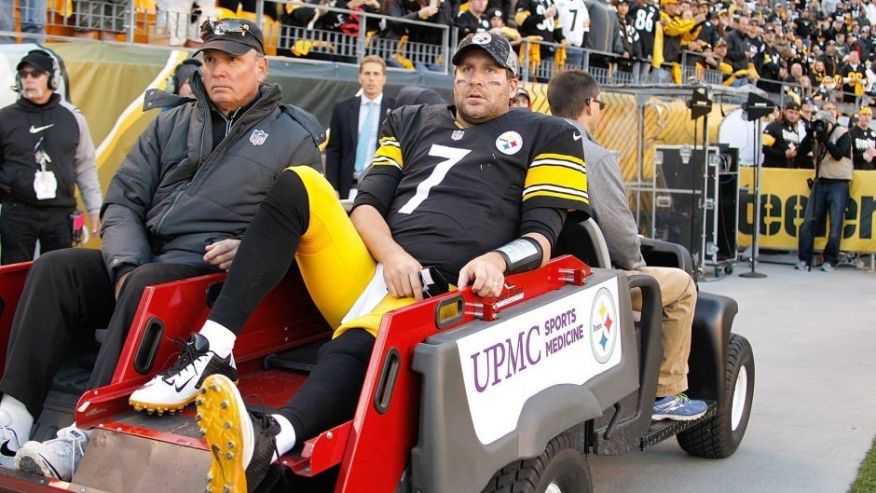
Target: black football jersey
862, 140
645, 19
450, 194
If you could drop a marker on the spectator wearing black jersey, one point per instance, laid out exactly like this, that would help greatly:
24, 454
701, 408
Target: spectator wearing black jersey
538, 19
863, 141
781, 139
768, 62
473, 20
629, 36
708, 31
854, 76
829, 58
644, 17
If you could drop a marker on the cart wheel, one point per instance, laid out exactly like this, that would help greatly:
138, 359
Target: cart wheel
719, 436
560, 469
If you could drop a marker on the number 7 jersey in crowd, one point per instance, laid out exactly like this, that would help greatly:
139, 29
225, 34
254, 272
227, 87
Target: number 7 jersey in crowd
450, 194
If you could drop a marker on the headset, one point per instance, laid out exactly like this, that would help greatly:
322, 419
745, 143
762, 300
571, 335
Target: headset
55, 76
173, 82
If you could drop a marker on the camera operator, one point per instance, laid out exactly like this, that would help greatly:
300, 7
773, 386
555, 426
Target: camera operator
832, 147
863, 140
782, 139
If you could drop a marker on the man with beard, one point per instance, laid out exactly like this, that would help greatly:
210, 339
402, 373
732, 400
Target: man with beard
500, 182
782, 140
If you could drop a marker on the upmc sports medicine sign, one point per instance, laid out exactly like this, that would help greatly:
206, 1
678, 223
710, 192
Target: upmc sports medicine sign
567, 341
784, 195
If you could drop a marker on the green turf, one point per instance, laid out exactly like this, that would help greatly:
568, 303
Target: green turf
866, 481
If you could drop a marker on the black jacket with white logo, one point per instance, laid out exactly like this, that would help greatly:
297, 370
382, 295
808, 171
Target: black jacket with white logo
57, 129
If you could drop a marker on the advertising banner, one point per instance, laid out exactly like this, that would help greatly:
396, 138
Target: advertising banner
784, 195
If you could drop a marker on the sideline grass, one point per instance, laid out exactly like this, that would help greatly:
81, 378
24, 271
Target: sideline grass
866, 481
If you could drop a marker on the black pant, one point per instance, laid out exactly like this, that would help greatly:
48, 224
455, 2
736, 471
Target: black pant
21, 225
331, 392
68, 294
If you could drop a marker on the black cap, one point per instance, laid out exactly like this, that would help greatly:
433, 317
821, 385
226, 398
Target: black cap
39, 59
792, 105
497, 46
234, 36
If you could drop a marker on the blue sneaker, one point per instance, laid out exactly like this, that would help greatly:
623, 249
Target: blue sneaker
678, 408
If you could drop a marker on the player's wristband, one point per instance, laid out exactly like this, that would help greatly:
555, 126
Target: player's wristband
521, 255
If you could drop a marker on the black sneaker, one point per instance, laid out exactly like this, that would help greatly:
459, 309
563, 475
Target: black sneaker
242, 443
174, 388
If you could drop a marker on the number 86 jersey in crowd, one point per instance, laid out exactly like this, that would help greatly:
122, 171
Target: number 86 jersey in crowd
450, 194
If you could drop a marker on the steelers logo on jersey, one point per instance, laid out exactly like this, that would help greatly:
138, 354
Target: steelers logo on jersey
509, 142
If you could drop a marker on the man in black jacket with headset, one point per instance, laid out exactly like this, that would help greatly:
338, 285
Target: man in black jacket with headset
177, 207
45, 151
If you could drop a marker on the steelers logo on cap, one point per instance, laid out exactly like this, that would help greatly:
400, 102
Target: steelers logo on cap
482, 38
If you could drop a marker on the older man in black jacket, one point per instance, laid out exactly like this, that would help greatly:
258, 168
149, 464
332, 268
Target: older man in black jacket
45, 153
177, 208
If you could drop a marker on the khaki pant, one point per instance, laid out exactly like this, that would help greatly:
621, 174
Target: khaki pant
679, 295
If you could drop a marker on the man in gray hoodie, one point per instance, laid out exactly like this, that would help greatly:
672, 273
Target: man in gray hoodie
575, 96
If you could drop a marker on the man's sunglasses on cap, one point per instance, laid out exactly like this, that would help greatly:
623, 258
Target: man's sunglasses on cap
225, 27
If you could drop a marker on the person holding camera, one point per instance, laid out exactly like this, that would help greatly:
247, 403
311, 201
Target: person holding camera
832, 147
782, 139
863, 140
45, 152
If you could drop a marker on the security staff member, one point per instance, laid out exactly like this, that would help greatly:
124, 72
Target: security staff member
782, 139
863, 140
45, 150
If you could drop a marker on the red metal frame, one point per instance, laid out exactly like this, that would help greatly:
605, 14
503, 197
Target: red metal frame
379, 446
181, 306
12, 279
373, 449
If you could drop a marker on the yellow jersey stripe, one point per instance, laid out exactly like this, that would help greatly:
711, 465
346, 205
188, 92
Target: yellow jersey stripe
390, 141
391, 152
385, 162
556, 176
767, 140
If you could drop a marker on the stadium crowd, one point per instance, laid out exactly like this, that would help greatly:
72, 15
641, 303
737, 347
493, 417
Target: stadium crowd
823, 50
